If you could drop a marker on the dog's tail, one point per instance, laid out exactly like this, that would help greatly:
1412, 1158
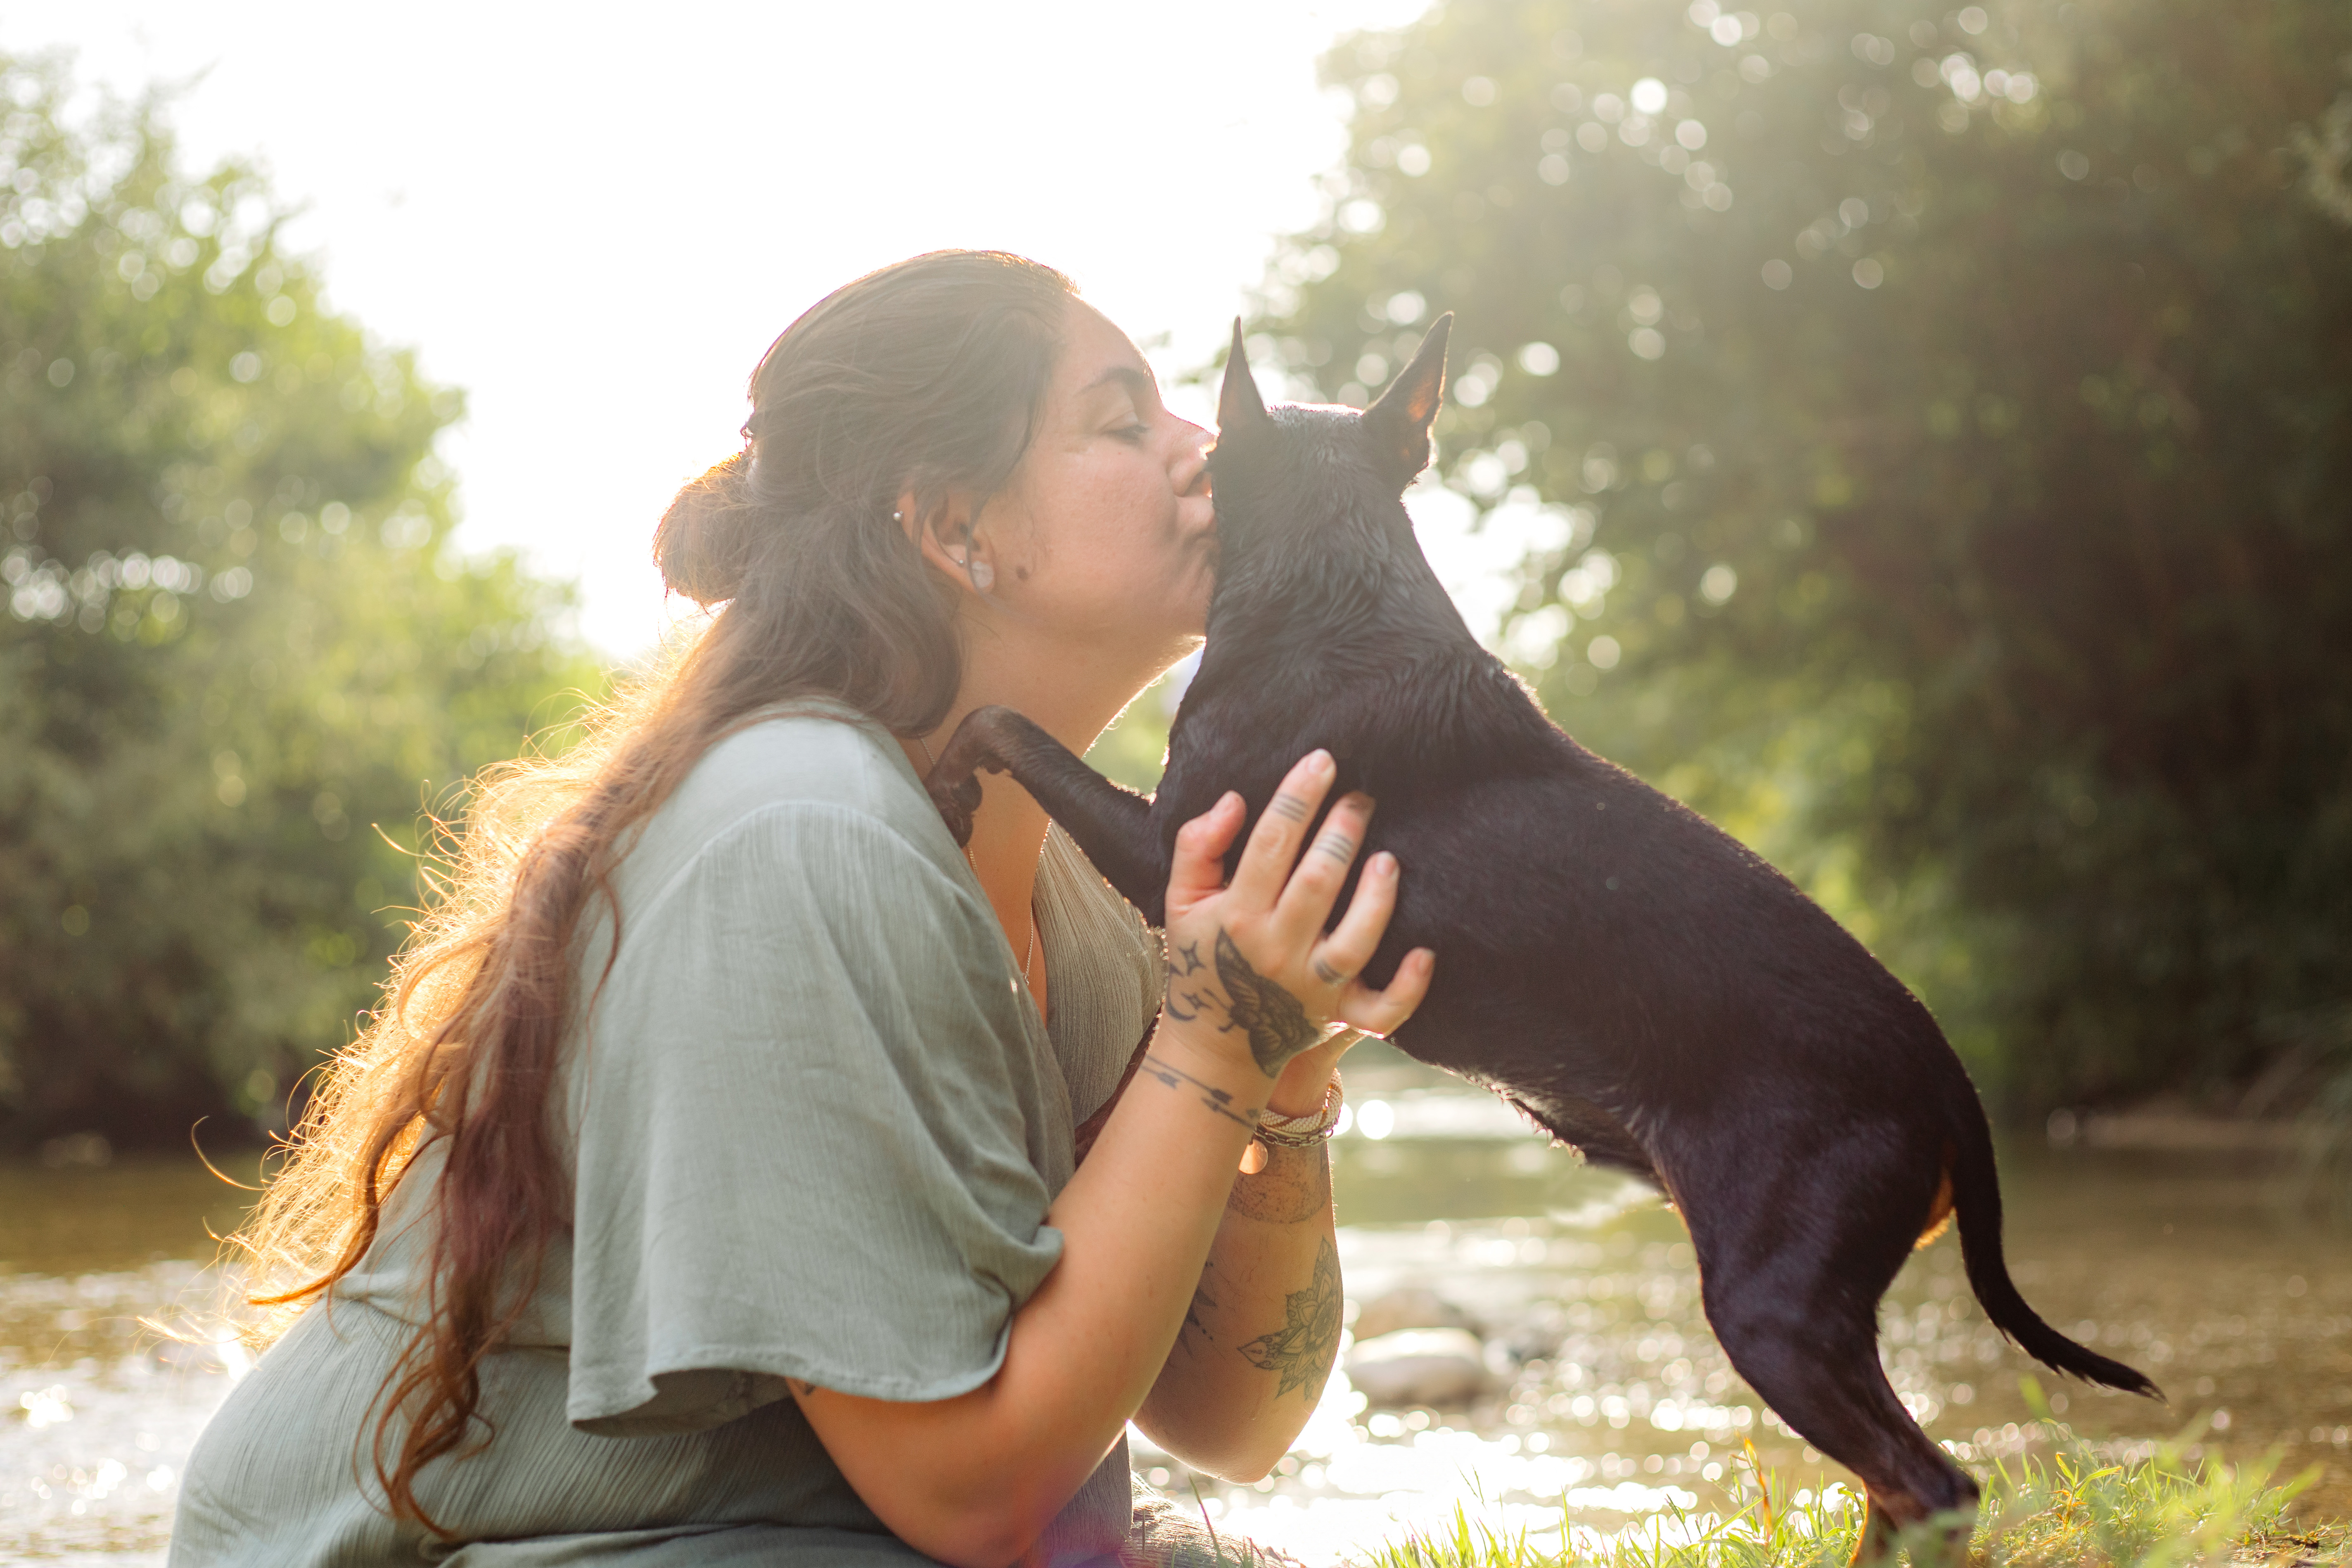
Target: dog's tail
1976, 1198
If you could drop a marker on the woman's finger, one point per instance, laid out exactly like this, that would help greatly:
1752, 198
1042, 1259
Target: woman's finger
1281, 827
1342, 955
1314, 887
1383, 1012
1197, 869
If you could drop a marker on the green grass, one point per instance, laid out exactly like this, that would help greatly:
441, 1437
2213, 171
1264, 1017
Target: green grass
2070, 1505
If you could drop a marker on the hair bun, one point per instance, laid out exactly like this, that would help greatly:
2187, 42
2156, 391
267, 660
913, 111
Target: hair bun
704, 544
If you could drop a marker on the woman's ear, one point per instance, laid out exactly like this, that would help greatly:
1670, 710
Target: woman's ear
943, 532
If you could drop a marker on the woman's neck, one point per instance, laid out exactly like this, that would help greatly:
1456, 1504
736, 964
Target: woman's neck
1074, 704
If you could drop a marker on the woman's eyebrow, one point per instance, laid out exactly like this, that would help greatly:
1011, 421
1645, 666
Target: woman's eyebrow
1137, 382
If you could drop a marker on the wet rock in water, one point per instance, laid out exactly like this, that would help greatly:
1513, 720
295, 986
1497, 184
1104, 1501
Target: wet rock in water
1537, 1338
1440, 1368
1409, 1307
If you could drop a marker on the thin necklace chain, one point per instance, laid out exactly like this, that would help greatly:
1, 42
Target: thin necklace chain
1029, 958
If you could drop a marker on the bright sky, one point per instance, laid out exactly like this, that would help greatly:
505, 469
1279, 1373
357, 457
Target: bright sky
594, 220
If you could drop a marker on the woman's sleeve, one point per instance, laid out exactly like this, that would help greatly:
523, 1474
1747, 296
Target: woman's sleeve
809, 1113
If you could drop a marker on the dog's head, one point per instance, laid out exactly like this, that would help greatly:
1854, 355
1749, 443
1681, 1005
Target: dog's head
1295, 472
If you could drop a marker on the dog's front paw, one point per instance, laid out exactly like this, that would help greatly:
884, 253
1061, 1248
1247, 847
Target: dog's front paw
956, 802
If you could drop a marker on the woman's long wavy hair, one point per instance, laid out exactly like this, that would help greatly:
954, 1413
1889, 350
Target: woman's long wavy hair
923, 379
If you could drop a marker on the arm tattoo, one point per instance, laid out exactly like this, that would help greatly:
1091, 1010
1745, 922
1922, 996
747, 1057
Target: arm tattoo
1201, 1302
1277, 1027
1301, 1352
1211, 1097
1294, 1185
1190, 954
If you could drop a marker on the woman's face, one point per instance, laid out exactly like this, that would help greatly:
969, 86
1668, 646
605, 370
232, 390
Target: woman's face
1106, 535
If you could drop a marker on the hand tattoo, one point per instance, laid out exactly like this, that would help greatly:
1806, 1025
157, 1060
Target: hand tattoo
1277, 1027
1301, 1352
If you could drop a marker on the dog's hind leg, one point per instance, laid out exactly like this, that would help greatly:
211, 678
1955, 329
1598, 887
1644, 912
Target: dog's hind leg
1113, 825
1793, 1300
1819, 1370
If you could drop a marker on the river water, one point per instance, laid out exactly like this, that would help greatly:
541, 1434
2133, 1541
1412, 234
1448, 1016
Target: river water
1605, 1402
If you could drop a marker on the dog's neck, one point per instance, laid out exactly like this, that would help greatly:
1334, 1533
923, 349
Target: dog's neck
1359, 581
1302, 615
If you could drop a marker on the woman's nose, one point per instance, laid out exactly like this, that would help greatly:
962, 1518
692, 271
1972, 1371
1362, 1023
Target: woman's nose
1191, 471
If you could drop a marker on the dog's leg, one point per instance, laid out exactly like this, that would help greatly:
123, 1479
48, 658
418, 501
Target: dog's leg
1816, 1363
1791, 1271
1113, 825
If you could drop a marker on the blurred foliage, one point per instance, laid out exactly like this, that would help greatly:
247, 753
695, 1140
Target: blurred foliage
237, 639
1934, 430
1134, 748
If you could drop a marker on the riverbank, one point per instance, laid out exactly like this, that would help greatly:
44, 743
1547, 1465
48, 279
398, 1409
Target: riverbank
2069, 1504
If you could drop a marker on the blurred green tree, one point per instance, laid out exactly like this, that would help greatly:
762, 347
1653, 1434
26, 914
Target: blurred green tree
1936, 431
237, 636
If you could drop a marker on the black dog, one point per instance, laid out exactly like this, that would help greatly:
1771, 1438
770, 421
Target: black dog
1628, 975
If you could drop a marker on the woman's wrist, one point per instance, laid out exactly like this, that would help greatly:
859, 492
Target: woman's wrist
1306, 1078
1227, 1083
1298, 1089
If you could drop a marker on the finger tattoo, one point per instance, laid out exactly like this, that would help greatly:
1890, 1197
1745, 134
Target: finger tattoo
1288, 807
1338, 846
1328, 975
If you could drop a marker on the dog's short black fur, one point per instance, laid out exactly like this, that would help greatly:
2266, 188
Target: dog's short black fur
1630, 976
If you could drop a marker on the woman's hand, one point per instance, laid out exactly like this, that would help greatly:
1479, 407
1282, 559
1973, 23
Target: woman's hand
1250, 970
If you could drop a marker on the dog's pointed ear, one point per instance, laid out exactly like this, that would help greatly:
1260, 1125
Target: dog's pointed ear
1238, 403
1399, 422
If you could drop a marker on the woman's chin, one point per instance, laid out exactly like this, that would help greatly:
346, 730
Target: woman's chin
1196, 607
1203, 579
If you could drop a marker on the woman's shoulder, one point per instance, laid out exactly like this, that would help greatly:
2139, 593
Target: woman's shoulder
825, 769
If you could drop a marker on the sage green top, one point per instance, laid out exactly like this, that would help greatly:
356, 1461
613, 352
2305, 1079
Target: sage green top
813, 1123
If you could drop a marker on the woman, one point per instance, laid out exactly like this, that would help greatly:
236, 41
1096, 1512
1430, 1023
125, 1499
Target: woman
705, 1192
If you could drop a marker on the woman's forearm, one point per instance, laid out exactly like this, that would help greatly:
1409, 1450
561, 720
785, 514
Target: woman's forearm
971, 1480
1262, 1329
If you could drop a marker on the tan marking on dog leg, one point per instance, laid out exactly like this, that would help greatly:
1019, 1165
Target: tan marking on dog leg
1939, 1213
1886, 1514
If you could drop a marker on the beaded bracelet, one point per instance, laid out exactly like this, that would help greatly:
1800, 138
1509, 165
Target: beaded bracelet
1303, 1131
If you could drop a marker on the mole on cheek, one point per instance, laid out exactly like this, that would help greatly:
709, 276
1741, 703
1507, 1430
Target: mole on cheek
1021, 573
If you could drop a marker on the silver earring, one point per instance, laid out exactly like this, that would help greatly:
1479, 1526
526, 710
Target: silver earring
981, 573
898, 517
